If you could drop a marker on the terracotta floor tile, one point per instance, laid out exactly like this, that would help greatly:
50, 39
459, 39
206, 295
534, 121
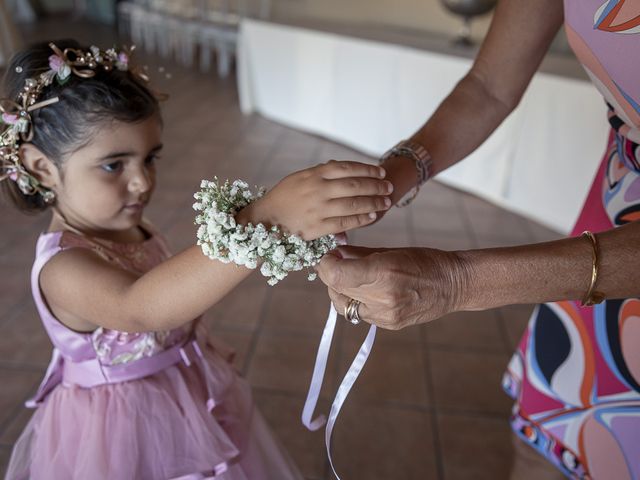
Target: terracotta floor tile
13, 427
469, 381
18, 242
306, 448
5, 454
298, 145
394, 373
443, 241
16, 385
285, 362
473, 330
541, 233
16, 286
435, 194
181, 234
502, 241
445, 219
241, 308
378, 237
167, 206
300, 308
376, 443
411, 335
23, 340
394, 219
474, 447
239, 341
491, 223
334, 151
515, 319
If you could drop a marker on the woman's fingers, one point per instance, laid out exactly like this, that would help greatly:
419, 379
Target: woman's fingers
343, 274
340, 302
334, 169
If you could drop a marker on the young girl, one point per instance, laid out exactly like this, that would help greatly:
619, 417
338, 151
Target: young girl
135, 390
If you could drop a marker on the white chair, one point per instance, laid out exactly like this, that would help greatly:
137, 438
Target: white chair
125, 12
219, 32
175, 28
220, 39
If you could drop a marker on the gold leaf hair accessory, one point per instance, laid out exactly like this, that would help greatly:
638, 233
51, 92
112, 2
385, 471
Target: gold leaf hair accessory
16, 125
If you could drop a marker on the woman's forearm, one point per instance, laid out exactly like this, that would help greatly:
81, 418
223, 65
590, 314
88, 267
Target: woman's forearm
518, 39
464, 120
552, 271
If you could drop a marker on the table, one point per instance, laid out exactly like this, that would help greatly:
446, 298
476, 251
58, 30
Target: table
369, 94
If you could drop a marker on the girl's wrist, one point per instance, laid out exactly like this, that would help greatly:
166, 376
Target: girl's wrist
256, 212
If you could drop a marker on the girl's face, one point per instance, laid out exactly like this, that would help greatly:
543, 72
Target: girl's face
104, 186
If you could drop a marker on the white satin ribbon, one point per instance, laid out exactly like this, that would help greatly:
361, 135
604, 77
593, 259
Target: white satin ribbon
347, 382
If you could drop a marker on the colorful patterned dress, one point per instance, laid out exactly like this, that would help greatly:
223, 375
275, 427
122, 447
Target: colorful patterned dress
576, 373
148, 406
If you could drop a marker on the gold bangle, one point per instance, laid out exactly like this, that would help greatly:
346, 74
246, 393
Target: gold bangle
592, 296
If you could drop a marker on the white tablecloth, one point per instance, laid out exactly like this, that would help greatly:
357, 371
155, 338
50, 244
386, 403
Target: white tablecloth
369, 95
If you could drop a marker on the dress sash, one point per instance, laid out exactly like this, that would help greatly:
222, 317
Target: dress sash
91, 373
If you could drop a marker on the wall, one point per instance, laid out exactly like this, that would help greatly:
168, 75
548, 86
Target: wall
427, 15
417, 15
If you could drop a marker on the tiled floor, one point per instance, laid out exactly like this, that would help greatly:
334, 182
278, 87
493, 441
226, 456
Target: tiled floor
428, 404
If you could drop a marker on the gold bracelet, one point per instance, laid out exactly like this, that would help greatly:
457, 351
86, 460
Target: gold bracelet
592, 296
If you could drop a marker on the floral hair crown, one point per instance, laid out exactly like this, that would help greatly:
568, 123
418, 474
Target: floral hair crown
16, 125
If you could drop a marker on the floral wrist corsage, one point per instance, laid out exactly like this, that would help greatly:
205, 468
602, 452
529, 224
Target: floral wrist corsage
221, 238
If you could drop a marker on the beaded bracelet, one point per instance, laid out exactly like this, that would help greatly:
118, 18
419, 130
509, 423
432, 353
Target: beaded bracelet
424, 166
221, 238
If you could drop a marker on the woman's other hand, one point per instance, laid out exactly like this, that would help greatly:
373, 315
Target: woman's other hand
396, 287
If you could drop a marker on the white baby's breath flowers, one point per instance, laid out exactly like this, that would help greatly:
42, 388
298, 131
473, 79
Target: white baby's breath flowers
220, 238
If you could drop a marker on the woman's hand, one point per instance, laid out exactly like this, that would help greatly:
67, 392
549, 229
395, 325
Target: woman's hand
329, 198
396, 287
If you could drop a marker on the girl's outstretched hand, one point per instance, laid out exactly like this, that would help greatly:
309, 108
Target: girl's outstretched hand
329, 198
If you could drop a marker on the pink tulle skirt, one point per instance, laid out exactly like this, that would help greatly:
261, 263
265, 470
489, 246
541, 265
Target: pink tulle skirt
157, 427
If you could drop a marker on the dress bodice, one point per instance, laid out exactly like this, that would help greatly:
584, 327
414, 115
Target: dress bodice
109, 347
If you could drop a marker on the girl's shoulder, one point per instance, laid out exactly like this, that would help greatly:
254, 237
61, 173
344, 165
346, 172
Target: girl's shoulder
135, 256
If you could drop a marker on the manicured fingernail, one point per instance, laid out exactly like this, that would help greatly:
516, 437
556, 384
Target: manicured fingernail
389, 187
373, 215
387, 202
382, 173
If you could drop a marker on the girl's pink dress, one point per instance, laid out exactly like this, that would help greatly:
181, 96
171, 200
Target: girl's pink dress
151, 405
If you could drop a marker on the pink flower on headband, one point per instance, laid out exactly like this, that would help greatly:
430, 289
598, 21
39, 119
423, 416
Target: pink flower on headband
123, 61
58, 65
55, 62
10, 118
18, 123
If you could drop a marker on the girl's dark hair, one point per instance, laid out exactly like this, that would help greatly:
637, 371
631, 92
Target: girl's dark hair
63, 127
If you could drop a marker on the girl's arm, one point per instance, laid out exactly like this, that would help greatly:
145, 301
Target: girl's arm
520, 34
84, 291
